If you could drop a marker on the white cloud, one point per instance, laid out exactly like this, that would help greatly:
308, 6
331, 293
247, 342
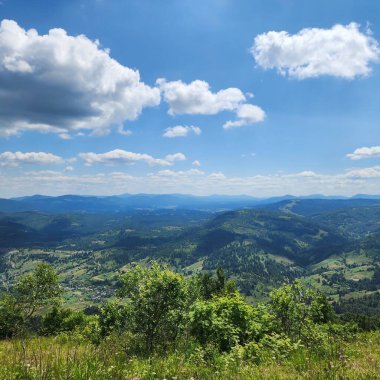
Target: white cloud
306, 173
177, 174
175, 157
196, 98
365, 152
119, 156
124, 132
193, 181
196, 163
373, 172
65, 136
342, 51
33, 158
60, 83
181, 131
121, 175
248, 114
217, 175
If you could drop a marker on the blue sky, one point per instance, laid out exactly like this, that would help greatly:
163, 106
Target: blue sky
76, 118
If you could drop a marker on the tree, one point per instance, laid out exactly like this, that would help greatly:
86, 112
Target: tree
37, 289
156, 297
12, 319
210, 286
226, 321
33, 292
296, 307
60, 319
114, 316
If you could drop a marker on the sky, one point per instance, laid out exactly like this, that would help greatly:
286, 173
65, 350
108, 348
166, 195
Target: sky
251, 97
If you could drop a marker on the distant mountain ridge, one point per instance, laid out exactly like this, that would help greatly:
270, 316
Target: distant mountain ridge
128, 202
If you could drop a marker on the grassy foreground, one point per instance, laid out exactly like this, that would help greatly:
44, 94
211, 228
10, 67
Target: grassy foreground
57, 358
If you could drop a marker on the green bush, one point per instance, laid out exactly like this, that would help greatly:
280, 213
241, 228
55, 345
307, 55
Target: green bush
157, 300
225, 321
114, 316
62, 320
12, 320
297, 308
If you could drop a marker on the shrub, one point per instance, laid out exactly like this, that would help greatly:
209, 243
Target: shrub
62, 320
157, 298
12, 320
296, 308
113, 316
225, 321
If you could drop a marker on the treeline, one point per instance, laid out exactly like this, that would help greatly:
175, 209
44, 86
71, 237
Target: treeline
155, 310
364, 311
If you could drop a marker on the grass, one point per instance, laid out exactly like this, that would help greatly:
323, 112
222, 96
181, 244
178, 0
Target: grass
55, 358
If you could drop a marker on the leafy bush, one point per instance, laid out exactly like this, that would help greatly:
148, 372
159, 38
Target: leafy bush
157, 298
113, 316
225, 321
12, 320
296, 308
32, 293
62, 320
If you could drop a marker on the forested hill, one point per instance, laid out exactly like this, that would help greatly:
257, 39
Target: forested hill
332, 244
315, 207
281, 234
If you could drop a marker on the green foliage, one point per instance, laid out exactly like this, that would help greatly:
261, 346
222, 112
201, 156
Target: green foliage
156, 299
37, 289
210, 286
296, 308
166, 326
34, 291
225, 321
272, 347
114, 316
60, 320
12, 319
52, 359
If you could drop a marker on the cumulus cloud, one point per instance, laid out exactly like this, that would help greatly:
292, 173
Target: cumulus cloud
372, 172
33, 158
175, 157
181, 131
62, 84
247, 114
197, 98
342, 51
365, 152
120, 156
196, 163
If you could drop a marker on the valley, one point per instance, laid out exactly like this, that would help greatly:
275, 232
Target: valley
331, 245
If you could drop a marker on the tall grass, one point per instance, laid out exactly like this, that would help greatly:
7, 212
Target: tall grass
58, 358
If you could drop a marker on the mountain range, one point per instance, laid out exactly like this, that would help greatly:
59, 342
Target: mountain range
331, 243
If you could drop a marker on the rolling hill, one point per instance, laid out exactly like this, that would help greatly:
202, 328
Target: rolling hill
332, 244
